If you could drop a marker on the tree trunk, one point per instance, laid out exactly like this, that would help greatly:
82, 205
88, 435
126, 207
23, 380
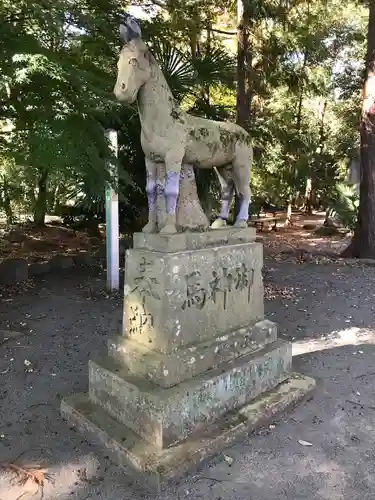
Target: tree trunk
326, 218
308, 196
40, 206
302, 90
243, 66
288, 221
363, 242
56, 199
297, 148
317, 161
7, 204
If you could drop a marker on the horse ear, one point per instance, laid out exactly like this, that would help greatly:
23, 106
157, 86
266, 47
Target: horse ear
129, 28
124, 33
135, 27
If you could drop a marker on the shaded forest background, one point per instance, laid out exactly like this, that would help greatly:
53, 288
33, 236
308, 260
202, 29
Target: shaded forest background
289, 71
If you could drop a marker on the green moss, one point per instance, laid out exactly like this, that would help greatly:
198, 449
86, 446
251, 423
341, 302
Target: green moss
156, 157
203, 131
213, 147
199, 134
245, 138
242, 418
176, 114
161, 469
194, 134
226, 137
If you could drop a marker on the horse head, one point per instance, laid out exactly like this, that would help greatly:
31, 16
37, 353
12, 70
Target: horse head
133, 66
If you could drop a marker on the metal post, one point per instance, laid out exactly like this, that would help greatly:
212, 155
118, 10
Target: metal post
112, 222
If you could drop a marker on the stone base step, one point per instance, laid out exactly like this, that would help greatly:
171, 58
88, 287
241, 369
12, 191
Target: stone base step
168, 369
164, 417
154, 467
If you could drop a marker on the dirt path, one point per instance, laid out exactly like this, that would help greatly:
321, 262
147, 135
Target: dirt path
328, 311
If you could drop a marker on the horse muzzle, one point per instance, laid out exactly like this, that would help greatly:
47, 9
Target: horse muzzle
124, 95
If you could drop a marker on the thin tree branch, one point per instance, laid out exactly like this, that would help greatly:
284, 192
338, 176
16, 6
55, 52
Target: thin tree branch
158, 3
232, 33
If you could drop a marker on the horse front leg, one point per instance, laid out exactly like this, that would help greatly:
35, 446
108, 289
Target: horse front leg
227, 191
151, 168
171, 192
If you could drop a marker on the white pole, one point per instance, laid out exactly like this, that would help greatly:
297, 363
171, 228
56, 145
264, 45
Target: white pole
240, 9
112, 222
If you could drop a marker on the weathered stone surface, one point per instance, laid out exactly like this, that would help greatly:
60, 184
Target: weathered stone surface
38, 268
166, 370
154, 467
176, 299
197, 365
170, 243
60, 262
13, 271
173, 139
167, 416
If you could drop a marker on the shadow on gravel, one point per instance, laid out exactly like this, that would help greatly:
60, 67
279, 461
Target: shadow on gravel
312, 301
67, 319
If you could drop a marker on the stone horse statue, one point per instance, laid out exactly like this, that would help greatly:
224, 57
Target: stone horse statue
174, 141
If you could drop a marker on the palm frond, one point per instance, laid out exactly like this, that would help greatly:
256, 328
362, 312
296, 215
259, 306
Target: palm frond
214, 66
178, 69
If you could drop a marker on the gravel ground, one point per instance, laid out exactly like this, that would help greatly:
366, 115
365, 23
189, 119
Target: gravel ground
328, 311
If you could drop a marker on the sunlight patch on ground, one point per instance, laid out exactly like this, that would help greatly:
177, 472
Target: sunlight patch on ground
339, 338
66, 478
70, 476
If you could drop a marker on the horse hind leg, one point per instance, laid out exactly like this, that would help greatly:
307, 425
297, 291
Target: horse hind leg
227, 191
241, 174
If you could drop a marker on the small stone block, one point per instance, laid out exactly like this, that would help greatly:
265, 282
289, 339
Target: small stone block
169, 369
13, 271
166, 416
155, 468
60, 262
83, 259
193, 240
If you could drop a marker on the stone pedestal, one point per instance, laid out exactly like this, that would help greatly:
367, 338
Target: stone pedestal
197, 366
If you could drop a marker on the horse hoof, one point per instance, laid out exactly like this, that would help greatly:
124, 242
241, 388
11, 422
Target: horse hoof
218, 224
168, 229
150, 227
241, 223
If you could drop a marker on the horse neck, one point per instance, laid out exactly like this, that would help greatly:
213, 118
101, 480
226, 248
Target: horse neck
155, 103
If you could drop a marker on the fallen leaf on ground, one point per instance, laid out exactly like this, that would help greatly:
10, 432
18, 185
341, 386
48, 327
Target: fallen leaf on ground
34, 473
304, 443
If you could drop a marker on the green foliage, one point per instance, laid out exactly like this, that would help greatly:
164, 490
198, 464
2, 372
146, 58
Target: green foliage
177, 67
53, 88
58, 64
344, 206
